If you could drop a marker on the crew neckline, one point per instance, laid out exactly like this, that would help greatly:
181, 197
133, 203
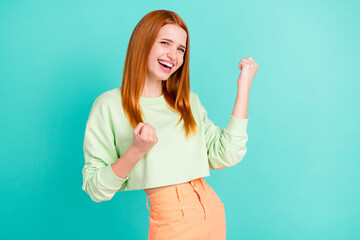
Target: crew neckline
152, 100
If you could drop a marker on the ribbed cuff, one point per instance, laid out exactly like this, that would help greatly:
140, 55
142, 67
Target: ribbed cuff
110, 178
237, 126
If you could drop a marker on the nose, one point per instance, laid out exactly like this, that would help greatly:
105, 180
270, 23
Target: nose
172, 53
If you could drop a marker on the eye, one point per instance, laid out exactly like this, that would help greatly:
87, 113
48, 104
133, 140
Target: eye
179, 48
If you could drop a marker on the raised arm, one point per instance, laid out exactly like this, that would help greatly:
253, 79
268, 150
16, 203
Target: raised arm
248, 69
227, 147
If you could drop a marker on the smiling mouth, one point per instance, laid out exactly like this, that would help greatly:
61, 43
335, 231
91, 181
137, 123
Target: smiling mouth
164, 67
162, 64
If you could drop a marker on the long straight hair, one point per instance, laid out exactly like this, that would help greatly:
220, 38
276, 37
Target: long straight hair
176, 89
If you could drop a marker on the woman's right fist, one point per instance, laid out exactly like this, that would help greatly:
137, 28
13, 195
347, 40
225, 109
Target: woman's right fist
144, 137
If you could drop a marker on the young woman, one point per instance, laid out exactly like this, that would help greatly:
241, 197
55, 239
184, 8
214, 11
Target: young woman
153, 133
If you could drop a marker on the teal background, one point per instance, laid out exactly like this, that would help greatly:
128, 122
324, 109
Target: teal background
300, 177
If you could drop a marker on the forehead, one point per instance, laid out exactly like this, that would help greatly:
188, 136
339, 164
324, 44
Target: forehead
174, 33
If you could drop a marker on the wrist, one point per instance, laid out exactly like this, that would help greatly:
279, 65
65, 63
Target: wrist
134, 151
244, 88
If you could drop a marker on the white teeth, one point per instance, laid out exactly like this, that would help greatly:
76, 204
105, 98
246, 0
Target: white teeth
166, 63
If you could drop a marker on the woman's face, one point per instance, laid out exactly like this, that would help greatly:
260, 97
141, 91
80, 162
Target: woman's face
169, 46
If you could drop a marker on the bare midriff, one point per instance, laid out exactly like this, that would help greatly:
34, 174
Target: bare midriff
157, 189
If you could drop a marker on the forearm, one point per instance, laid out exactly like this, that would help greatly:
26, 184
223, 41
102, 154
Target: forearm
126, 162
241, 103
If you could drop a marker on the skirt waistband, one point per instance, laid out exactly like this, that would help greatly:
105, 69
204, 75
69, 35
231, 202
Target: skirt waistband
177, 191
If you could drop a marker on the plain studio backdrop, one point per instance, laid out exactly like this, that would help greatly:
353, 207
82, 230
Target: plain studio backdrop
300, 176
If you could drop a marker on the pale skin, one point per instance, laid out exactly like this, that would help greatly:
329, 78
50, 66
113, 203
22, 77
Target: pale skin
172, 50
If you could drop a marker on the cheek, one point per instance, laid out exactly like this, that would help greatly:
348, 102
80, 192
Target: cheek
181, 62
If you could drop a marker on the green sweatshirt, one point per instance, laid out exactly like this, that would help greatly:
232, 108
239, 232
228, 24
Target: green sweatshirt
173, 159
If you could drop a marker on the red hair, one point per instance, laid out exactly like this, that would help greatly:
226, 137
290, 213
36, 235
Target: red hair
176, 89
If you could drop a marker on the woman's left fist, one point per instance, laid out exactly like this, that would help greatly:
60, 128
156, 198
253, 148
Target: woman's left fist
248, 69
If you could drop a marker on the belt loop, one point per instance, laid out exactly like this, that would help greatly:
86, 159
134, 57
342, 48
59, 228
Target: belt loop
177, 192
192, 184
147, 202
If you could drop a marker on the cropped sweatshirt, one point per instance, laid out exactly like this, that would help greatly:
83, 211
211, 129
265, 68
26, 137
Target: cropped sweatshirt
173, 159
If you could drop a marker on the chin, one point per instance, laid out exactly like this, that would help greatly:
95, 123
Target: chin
164, 78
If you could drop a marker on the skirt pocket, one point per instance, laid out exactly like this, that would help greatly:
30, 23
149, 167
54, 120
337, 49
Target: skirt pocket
163, 215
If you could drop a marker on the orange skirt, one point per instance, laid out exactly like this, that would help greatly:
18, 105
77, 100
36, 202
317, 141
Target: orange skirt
190, 210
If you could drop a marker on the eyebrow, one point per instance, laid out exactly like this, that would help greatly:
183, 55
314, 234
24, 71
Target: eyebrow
172, 41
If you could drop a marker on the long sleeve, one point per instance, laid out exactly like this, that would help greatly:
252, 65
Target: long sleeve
225, 147
99, 181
